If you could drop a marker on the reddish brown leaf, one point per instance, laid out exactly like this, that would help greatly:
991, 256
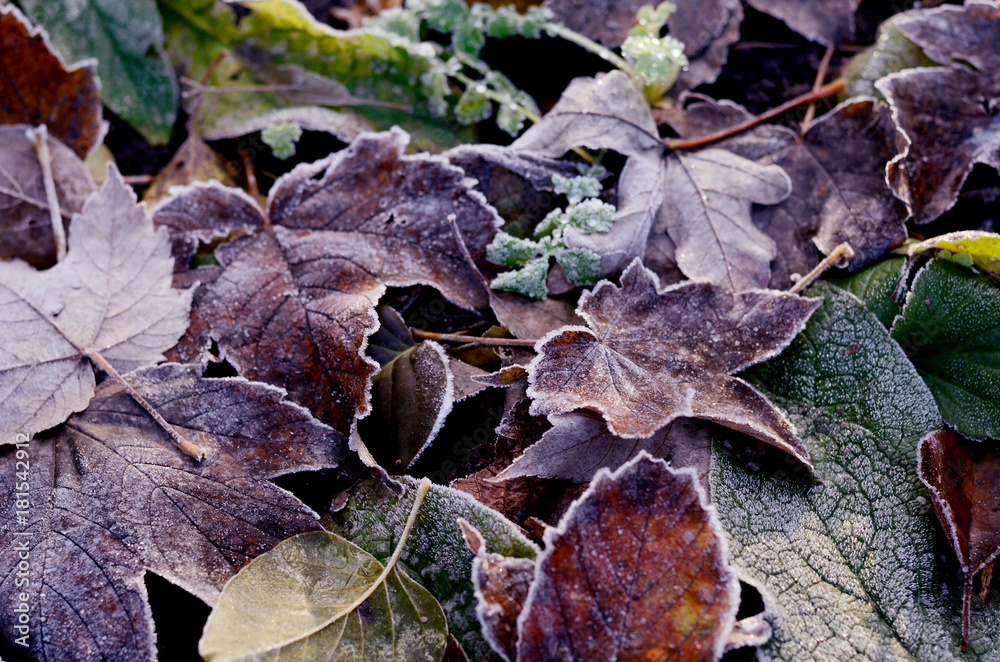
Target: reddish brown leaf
502, 584
650, 356
112, 498
294, 305
38, 87
637, 570
25, 226
964, 479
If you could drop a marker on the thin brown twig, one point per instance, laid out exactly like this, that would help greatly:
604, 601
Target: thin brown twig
824, 64
833, 87
137, 180
472, 340
250, 174
39, 137
186, 447
837, 255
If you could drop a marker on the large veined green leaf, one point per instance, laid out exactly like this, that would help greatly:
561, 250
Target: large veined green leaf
435, 551
304, 600
126, 37
950, 327
847, 568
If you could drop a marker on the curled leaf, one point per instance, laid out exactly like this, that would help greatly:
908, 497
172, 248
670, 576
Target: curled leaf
964, 480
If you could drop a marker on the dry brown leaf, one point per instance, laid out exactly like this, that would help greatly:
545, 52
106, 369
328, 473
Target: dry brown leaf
637, 570
38, 87
650, 356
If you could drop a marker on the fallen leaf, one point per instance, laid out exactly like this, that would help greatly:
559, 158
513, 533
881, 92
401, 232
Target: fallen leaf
640, 198
606, 112
112, 499
137, 80
519, 185
297, 298
842, 563
708, 28
829, 22
24, 224
948, 124
38, 87
502, 584
707, 203
304, 599
950, 328
838, 177
601, 585
411, 397
979, 248
837, 171
650, 356
194, 161
111, 296
964, 480
203, 213
948, 115
374, 518
528, 319
579, 444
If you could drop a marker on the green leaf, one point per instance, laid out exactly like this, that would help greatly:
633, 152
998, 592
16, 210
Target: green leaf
373, 64
847, 568
317, 596
281, 138
473, 106
512, 251
576, 189
874, 285
411, 397
126, 37
582, 266
530, 280
950, 326
374, 517
591, 216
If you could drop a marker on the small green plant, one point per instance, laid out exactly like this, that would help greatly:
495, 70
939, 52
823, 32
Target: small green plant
656, 60
530, 257
281, 138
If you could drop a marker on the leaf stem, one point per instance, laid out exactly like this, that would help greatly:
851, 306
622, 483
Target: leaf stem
833, 87
472, 340
183, 444
557, 30
824, 64
836, 256
39, 137
425, 485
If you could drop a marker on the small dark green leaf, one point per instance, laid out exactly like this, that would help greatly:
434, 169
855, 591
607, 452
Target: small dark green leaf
950, 327
874, 286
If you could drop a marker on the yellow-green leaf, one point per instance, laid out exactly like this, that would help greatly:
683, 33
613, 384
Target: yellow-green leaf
967, 248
